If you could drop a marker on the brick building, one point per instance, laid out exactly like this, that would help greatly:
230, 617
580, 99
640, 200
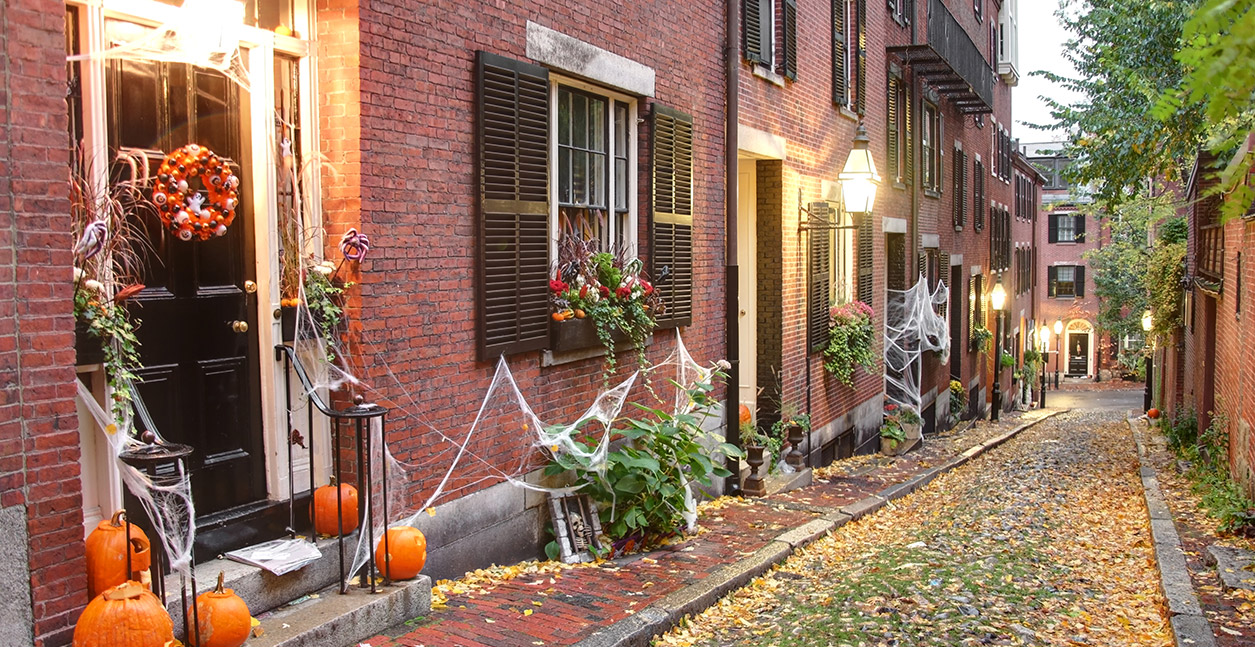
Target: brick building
932, 90
1066, 298
1205, 367
407, 106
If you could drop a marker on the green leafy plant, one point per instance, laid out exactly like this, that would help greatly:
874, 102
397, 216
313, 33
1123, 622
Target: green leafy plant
640, 490
1007, 360
323, 298
109, 323
850, 341
979, 338
958, 396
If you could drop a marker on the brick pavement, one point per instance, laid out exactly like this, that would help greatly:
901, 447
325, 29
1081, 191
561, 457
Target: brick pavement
575, 602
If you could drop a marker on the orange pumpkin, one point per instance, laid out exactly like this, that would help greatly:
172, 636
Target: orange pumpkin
747, 416
1153, 413
106, 555
127, 615
325, 510
407, 553
223, 618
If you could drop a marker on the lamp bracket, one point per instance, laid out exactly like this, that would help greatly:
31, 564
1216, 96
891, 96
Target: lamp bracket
821, 216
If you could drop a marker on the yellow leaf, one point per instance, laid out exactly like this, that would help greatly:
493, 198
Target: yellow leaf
431, 512
528, 612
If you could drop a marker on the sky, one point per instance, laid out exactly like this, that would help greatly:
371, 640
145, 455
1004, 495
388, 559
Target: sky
1042, 42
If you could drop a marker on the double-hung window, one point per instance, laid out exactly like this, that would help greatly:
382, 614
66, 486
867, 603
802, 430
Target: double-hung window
930, 142
595, 142
1066, 228
1066, 281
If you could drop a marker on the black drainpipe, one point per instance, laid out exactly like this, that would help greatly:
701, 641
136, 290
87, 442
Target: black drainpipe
732, 484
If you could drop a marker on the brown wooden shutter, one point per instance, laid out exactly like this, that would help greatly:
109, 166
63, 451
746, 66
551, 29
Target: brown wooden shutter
1079, 227
671, 234
978, 196
865, 259
752, 31
943, 275
1052, 228
908, 126
973, 298
862, 57
957, 210
892, 109
820, 286
513, 158
790, 39
921, 266
840, 74
1052, 278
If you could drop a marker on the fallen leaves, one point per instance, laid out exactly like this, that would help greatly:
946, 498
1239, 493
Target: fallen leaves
1045, 540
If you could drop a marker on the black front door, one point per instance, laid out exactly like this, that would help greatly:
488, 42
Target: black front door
1078, 354
200, 379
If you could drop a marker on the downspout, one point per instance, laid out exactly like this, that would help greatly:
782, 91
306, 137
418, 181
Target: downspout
732, 484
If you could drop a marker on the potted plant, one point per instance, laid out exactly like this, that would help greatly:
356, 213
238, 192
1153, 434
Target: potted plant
958, 401
892, 436
755, 444
108, 269
850, 340
600, 298
979, 338
793, 427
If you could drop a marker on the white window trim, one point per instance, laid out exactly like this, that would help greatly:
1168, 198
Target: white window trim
632, 159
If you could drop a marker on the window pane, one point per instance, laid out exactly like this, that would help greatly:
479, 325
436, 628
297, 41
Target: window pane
597, 124
620, 129
564, 175
564, 117
579, 120
620, 184
579, 177
597, 181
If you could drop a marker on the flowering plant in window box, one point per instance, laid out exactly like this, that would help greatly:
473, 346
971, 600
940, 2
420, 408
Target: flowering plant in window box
609, 290
980, 338
850, 336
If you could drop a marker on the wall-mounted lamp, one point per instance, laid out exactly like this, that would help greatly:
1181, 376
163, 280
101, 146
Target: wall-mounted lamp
859, 178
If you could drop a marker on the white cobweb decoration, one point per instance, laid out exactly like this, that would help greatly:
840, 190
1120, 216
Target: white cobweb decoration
506, 441
204, 33
912, 328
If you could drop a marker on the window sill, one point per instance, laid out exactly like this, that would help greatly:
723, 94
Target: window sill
958, 227
851, 115
768, 75
930, 193
899, 185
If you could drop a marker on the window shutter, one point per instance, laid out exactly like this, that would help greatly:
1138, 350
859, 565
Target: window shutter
1080, 280
865, 260
892, 112
973, 297
671, 243
978, 196
790, 39
943, 276
1052, 226
862, 57
840, 75
908, 113
1052, 277
1080, 227
820, 288
752, 31
957, 216
513, 157
921, 266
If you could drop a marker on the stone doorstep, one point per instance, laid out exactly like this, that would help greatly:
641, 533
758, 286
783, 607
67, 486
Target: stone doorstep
331, 619
261, 589
322, 617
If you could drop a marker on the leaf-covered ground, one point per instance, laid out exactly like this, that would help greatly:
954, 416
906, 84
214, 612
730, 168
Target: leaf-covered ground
1044, 541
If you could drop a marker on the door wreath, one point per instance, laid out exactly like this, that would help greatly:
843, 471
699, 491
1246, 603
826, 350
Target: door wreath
184, 210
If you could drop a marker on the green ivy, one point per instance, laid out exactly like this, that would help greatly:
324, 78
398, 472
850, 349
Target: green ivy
850, 343
322, 297
111, 325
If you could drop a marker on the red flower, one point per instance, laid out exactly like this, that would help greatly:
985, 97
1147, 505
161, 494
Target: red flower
623, 292
584, 291
649, 289
557, 286
605, 291
891, 407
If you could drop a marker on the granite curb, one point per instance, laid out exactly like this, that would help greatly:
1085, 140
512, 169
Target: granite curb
640, 628
1189, 625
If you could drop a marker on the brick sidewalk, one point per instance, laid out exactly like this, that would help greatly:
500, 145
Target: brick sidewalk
568, 606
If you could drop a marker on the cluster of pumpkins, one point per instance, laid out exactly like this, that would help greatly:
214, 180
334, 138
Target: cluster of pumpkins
124, 612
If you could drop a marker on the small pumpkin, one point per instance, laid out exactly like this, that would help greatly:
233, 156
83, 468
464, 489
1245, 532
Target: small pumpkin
747, 416
106, 555
127, 615
326, 511
1153, 414
407, 553
223, 618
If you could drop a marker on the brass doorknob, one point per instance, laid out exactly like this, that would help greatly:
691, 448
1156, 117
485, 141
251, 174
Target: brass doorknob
250, 287
239, 326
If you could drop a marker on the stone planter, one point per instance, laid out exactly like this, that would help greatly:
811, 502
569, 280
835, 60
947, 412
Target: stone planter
755, 485
890, 447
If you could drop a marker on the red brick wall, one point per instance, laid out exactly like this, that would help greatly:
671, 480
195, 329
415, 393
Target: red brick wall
412, 189
1050, 309
38, 428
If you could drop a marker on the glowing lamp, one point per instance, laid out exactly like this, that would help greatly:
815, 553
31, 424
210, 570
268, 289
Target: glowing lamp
1148, 321
998, 298
1058, 326
859, 177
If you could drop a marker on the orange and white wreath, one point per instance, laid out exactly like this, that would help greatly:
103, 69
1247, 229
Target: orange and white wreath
186, 212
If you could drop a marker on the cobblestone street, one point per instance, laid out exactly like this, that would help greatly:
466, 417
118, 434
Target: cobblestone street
1043, 541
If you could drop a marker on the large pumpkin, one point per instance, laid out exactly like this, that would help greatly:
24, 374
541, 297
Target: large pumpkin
407, 553
1153, 413
325, 510
127, 615
222, 617
746, 415
106, 555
